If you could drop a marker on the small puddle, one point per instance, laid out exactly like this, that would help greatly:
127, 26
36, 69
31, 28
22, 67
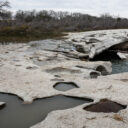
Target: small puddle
119, 66
105, 106
18, 115
65, 86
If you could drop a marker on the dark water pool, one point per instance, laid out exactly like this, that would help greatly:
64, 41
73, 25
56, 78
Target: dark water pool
18, 115
119, 66
65, 86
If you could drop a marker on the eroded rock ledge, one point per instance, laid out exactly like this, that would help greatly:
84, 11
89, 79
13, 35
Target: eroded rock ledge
94, 43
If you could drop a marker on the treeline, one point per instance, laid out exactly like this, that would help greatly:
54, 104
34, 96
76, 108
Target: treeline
47, 22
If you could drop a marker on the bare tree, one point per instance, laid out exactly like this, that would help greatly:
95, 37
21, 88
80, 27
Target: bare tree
3, 5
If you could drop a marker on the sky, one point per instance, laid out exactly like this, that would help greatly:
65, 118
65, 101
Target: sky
93, 7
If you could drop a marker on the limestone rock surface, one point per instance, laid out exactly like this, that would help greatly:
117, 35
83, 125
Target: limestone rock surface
31, 70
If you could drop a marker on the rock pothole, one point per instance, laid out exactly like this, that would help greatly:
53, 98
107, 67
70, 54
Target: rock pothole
106, 106
65, 86
102, 69
94, 74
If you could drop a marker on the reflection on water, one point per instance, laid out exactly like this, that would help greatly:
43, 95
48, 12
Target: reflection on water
19, 115
119, 66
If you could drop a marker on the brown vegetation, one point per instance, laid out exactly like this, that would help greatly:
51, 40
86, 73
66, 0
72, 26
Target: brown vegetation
50, 23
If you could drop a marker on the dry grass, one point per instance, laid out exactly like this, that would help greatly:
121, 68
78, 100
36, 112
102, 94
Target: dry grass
118, 117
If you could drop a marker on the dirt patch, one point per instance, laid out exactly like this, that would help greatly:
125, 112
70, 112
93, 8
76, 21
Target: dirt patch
105, 106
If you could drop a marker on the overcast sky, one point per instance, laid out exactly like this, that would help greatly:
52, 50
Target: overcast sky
94, 7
